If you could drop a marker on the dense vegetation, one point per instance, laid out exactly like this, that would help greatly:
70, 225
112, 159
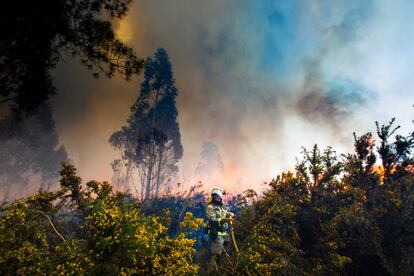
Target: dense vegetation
90, 230
333, 215
336, 215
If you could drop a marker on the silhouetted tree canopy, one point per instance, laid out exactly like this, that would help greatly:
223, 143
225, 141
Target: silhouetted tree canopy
29, 146
151, 139
210, 168
34, 34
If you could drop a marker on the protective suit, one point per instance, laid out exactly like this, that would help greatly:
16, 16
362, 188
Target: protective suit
218, 226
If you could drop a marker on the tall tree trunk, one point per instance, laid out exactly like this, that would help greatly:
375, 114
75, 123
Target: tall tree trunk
148, 184
142, 181
127, 176
153, 154
149, 172
6, 190
160, 160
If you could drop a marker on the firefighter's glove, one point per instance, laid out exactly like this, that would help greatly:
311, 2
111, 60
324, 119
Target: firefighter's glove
224, 220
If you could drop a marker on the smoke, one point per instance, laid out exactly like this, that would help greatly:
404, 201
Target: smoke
30, 153
259, 79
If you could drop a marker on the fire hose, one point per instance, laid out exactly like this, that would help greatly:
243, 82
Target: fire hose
235, 243
233, 239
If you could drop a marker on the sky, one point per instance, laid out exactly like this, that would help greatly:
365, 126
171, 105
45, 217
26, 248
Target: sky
260, 79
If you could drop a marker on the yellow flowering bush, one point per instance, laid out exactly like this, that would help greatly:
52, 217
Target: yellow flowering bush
23, 244
40, 235
272, 245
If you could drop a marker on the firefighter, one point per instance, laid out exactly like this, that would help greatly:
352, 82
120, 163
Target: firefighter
218, 224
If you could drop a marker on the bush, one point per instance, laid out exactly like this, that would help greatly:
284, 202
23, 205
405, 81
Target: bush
114, 238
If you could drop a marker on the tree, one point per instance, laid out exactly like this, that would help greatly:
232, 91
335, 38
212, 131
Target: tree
29, 146
210, 168
35, 33
151, 140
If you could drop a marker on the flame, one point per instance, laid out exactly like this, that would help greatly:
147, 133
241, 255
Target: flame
380, 171
226, 178
230, 177
410, 168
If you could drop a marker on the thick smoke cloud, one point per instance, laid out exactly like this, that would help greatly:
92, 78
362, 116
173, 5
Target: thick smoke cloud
259, 79
333, 99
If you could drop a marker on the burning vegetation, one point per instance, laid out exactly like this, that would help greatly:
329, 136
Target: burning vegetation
333, 215
351, 214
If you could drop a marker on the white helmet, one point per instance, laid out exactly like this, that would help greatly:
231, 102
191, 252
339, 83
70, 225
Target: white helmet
217, 191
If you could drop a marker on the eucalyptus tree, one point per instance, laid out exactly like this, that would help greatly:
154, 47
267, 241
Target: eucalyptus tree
151, 140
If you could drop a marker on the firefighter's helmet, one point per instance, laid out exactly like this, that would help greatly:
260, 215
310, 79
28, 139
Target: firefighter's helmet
217, 191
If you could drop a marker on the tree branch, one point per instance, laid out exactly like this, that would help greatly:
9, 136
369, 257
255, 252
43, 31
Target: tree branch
51, 224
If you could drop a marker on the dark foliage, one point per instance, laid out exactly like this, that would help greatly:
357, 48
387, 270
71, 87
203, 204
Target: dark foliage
35, 33
29, 146
151, 141
335, 215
